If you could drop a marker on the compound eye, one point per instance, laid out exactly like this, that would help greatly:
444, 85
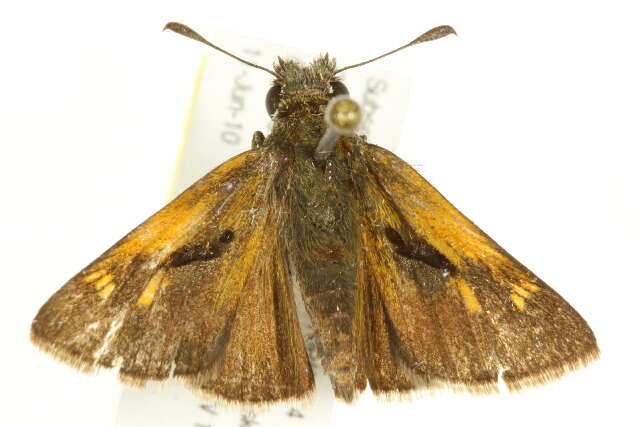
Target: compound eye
339, 89
273, 99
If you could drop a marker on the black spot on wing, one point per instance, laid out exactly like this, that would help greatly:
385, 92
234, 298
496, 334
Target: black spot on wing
200, 251
418, 249
226, 236
194, 252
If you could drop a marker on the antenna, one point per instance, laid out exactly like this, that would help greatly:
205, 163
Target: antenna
432, 34
188, 32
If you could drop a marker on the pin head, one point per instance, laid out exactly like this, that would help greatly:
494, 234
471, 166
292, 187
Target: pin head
343, 115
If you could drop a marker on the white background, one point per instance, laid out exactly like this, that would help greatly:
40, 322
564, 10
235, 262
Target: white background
527, 122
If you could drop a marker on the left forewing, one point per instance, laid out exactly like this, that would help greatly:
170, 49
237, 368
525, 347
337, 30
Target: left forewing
199, 291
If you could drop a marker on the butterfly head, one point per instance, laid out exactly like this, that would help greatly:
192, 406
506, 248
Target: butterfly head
300, 87
312, 97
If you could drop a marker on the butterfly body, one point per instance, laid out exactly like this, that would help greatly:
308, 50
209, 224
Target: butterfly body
402, 290
319, 229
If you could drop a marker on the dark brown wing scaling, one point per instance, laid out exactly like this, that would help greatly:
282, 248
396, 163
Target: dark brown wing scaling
461, 323
404, 291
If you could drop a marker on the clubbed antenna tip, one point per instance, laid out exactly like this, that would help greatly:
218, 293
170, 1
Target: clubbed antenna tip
432, 34
188, 32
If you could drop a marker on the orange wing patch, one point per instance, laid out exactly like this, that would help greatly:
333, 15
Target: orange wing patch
445, 228
468, 296
149, 292
180, 220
